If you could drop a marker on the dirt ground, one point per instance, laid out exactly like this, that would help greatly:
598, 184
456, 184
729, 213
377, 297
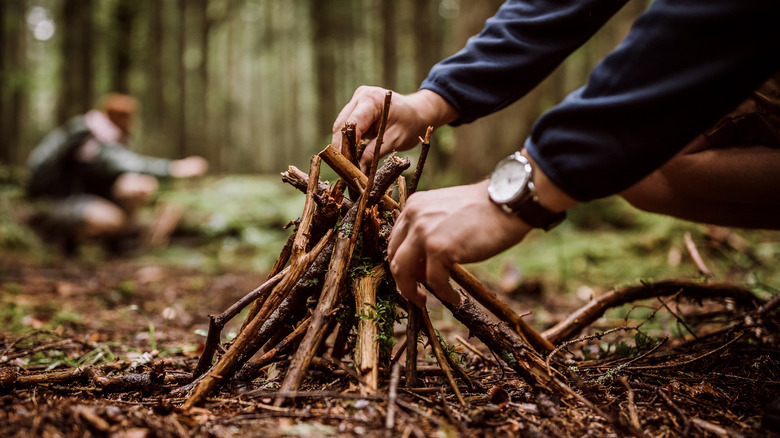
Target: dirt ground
86, 323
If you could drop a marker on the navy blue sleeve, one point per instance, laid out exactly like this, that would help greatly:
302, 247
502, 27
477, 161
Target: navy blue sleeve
518, 47
683, 65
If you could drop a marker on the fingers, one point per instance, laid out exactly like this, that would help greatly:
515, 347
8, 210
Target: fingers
415, 260
364, 110
437, 276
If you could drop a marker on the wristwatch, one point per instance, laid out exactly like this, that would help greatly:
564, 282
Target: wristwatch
511, 187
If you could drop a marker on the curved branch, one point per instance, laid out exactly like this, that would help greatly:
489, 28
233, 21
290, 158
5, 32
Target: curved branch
592, 311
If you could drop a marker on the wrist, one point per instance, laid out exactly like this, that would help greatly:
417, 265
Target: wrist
433, 108
549, 194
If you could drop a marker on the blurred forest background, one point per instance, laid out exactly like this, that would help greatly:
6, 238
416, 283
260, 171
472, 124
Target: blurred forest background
252, 85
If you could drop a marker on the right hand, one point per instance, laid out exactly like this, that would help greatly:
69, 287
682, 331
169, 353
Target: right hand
409, 117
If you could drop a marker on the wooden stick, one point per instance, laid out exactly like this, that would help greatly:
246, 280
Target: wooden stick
412, 329
349, 143
283, 345
696, 256
592, 311
236, 355
351, 174
497, 307
507, 344
392, 395
366, 346
426, 145
402, 192
438, 351
217, 323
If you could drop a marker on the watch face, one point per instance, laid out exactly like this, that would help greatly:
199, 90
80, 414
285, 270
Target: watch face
509, 179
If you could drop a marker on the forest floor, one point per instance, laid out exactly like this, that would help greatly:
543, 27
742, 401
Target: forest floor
97, 345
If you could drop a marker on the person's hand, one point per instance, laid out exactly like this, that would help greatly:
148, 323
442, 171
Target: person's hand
409, 117
439, 228
189, 167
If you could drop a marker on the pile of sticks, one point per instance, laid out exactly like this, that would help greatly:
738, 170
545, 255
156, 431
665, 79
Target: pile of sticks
337, 258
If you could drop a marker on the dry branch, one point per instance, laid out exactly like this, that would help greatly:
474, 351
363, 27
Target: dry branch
497, 307
506, 343
438, 351
589, 313
237, 355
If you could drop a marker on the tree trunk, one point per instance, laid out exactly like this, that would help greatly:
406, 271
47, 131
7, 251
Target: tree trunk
427, 28
125, 13
154, 108
203, 115
389, 45
333, 27
14, 91
181, 80
77, 53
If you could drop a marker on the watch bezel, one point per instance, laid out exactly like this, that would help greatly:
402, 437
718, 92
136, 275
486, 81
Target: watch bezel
523, 189
525, 202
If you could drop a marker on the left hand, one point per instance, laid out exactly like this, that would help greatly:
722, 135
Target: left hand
439, 228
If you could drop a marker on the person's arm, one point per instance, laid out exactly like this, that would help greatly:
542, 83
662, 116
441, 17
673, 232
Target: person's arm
519, 46
682, 67
113, 160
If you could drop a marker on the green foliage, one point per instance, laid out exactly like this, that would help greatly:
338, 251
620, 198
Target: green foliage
449, 350
66, 318
509, 358
12, 316
14, 233
362, 267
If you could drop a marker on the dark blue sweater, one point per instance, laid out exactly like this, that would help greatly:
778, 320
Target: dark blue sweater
684, 64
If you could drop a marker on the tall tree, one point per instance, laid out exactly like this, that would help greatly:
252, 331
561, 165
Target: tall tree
155, 99
6, 152
125, 13
200, 113
181, 79
428, 37
389, 41
332, 26
77, 53
14, 83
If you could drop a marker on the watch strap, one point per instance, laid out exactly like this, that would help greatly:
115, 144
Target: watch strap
535, 214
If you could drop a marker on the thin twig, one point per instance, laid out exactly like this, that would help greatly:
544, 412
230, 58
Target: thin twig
678, 317
687, 362
697, 259
673, 406
632, 412
440, 355
392, 394
426, 145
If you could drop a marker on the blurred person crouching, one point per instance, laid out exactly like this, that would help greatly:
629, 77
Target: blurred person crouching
89, 184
